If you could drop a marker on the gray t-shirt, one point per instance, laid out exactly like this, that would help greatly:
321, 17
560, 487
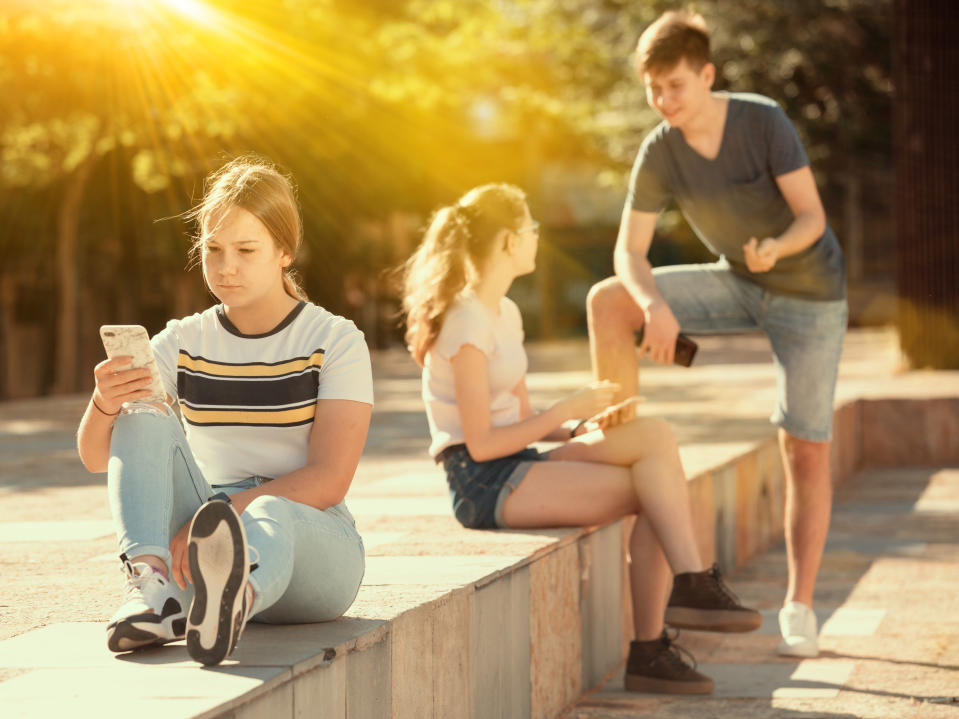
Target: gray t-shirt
734, 197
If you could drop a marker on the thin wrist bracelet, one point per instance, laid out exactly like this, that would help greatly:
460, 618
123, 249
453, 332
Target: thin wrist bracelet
102, 411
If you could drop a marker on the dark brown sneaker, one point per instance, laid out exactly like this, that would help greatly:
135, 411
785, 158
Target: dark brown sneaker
658, 667
701, 600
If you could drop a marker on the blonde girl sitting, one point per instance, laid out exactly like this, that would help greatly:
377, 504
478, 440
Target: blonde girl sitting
468, 338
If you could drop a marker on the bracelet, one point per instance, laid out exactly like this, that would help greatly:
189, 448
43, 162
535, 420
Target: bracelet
572, 432
101, 410
220, 497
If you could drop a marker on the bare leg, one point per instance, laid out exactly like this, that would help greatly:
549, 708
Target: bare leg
613, 318
647, 446
808, 506
649, 579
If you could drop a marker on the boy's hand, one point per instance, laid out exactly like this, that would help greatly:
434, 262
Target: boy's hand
761, 256
659, 335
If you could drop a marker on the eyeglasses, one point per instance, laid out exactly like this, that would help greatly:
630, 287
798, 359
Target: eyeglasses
529, 228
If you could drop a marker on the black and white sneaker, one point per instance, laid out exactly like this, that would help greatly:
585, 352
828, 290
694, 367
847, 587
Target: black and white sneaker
217, 553
151, 613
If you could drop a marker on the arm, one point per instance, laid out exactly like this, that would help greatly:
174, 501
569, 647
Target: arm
634, 271
799, 190
339, 433
336, 443
114, 386
486, 442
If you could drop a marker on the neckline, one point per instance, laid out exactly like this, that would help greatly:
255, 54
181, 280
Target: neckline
722, 137
284, 323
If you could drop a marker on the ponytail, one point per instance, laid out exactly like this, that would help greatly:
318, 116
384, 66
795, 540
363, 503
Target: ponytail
457, 241
434, 276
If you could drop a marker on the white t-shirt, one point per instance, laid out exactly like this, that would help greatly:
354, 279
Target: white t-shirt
247, 401
500, 338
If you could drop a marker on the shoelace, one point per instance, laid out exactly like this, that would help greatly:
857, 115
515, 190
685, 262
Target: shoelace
136, 577
720, 585
674, 653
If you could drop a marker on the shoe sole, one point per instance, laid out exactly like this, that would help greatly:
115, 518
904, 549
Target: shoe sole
218, 564
651, 685
713, 620
124, 636
806, 650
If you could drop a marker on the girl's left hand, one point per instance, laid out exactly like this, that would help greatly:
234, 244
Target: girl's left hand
179, 562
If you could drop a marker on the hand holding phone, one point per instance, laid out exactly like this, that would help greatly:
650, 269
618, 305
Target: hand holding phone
134, 342
684, 352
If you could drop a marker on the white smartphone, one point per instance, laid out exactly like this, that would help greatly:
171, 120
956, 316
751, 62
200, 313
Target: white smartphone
133, 340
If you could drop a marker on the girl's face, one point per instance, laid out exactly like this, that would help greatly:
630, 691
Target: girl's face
242, 265
525, 244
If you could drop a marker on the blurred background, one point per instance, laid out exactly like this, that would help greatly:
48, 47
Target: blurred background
113, 111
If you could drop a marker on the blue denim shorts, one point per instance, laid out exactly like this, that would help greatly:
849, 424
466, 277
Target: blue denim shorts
806, 336
479, 489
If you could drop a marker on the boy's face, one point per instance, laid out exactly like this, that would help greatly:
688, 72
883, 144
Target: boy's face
679, 93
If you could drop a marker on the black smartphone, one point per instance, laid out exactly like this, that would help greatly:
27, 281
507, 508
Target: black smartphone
685, 349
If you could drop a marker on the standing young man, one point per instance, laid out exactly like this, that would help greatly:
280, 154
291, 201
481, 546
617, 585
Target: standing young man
737, 169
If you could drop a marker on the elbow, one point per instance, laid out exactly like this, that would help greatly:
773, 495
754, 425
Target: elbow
478, 451
817, 222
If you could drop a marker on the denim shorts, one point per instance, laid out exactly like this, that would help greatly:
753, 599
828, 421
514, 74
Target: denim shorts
479, 489
806, 336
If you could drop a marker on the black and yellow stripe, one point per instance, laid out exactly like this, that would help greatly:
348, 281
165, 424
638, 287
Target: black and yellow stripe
260, 394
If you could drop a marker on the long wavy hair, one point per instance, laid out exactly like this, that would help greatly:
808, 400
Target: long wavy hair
261, 189
457, 242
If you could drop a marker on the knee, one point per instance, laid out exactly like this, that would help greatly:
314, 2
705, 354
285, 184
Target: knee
607, 303
655, 433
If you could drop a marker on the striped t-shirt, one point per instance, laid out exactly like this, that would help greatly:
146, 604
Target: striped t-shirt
247, 401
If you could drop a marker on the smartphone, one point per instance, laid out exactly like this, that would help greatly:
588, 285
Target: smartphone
133, 340
684, 352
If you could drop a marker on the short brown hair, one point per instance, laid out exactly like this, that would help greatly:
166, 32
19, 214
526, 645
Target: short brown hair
674, 36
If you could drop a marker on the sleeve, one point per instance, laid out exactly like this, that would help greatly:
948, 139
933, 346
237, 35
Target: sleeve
166, 350
346, 372
464, 324
785, 150
647, 187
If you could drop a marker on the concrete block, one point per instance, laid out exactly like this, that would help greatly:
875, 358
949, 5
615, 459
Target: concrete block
748, 507
499, 657
601, 602
846, 447
773, 489
724, 501
368, 680
321, 692
555, 632
276, 704
941, 422
411, 664
451, 665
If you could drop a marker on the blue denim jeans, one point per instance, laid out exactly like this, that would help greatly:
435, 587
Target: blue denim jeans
310, 561
806, 336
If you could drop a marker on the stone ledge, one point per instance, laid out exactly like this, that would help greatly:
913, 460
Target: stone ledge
502, 623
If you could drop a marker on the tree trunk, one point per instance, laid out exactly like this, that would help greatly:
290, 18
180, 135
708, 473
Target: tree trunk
927, 165
68, 219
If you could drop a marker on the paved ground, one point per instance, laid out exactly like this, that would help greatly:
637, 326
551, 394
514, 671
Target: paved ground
58, 564
888, 606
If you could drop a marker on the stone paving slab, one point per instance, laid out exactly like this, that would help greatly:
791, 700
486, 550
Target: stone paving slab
418, 556
889, 629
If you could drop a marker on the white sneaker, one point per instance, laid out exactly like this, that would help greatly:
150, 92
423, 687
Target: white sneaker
797, 624
151, 613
